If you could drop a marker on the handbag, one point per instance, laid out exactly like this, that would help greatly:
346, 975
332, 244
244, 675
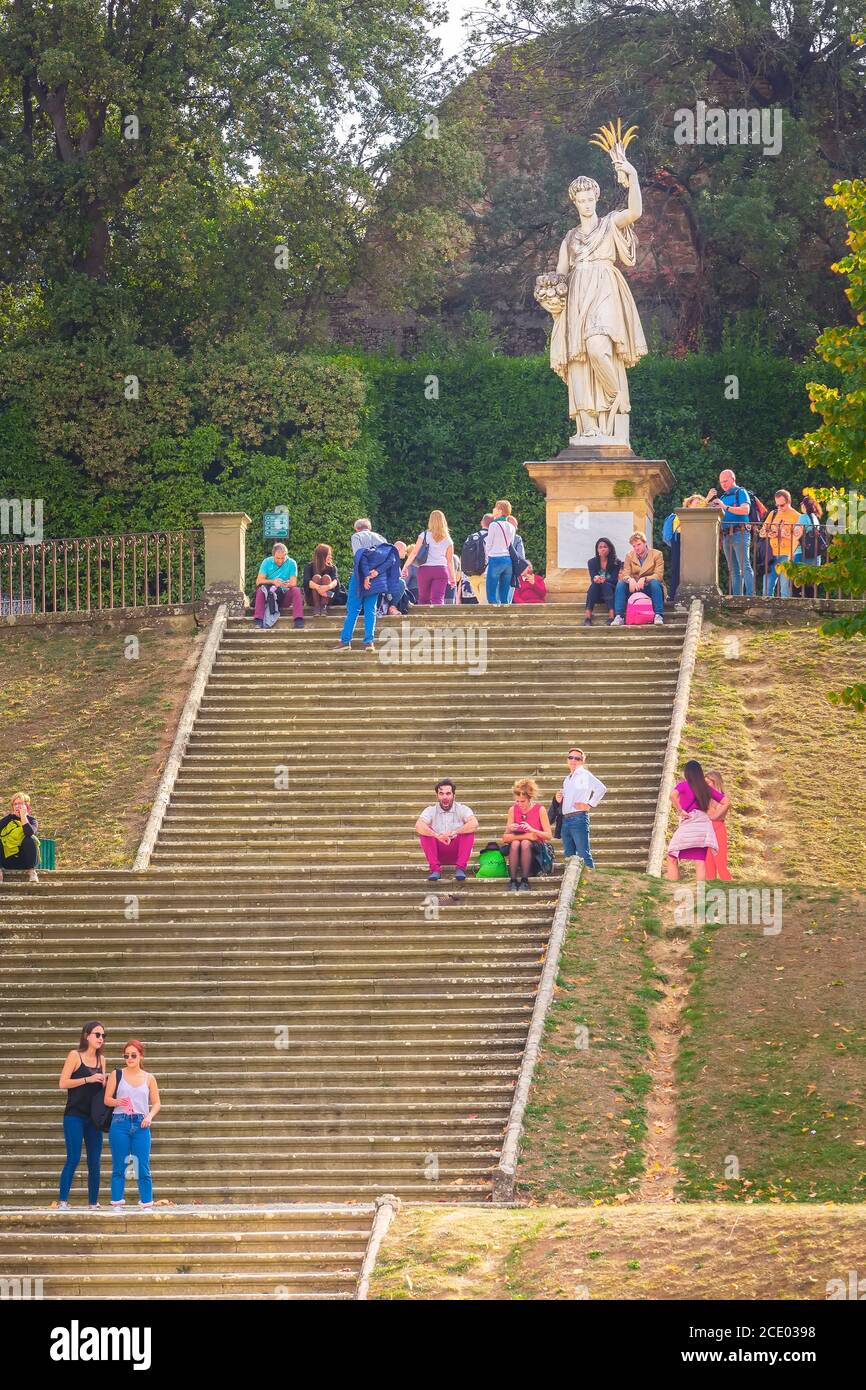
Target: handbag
544, 856
341, 597
518, 564
423, 551
100, 1113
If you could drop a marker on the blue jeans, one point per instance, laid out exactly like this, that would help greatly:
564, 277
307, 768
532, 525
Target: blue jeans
773, 577
737, 551
498, 578
126, 1137
575, 837
354, 604
78, 1130
652, 588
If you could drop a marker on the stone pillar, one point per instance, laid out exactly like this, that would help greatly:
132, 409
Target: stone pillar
590, 494
699, 553
225, 557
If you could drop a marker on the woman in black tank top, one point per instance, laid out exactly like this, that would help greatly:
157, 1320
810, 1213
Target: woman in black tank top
83, 1071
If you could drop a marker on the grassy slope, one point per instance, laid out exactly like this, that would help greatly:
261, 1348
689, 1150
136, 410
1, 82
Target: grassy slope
585, 1123
84, 730
647, 1252
794, 765
772, 1071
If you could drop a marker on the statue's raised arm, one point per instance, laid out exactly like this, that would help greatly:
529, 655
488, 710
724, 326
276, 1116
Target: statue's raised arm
597, 332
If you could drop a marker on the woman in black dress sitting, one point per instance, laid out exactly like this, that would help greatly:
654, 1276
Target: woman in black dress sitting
604, 570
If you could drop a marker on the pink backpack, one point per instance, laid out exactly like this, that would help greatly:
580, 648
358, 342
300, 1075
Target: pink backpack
639, 610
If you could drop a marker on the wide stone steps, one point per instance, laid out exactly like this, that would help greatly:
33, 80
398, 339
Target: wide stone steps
325, 1024
212, 1253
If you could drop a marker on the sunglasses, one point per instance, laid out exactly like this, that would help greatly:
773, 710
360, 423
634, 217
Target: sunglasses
575, 758
127, 1056
97, 1033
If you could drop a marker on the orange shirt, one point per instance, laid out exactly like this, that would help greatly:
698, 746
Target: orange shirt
779, 528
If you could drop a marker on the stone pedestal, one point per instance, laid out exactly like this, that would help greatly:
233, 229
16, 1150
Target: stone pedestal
605, 490
225, 557
699, 553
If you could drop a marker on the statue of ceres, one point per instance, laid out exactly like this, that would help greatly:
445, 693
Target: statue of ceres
597, 332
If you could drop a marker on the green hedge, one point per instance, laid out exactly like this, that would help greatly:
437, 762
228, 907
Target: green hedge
335, 436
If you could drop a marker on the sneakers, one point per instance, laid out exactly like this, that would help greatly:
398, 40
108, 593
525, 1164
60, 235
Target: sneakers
587, 622
514, 885
93, 1206
62, 1206
343, 647
369, 646
259, 625
617, 621
434, 877
460, 875
32, 876
658, 619
523, 886
299, 622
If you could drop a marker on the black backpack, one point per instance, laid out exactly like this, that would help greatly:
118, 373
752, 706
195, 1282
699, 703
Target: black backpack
814, 542
472, 557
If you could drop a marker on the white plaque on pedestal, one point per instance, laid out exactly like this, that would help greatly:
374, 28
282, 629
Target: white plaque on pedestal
577, 533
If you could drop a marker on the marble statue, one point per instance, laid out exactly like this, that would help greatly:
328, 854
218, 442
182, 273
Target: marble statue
597, 332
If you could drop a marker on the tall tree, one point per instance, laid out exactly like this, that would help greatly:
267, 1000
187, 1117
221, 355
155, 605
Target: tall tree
148, 146
839, 443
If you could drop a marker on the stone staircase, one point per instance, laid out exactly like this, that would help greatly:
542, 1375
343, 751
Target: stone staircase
299, 1252
324, 1028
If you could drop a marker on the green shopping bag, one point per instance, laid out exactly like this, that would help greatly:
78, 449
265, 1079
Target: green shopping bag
491, 862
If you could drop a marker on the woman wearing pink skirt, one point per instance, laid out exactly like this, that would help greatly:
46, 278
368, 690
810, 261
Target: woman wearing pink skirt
693, 797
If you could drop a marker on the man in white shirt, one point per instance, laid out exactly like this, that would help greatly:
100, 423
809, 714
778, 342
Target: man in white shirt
447, 832
581, 793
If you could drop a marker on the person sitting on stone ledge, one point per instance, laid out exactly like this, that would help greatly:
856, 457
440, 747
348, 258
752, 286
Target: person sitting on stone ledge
19, 847
277, 588
642, 573
447, 832
604, 571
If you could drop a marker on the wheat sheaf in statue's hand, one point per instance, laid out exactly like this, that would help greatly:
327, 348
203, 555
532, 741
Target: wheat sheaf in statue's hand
616, 141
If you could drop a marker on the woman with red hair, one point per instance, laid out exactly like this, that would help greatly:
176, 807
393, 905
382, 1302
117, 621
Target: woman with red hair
135, 1099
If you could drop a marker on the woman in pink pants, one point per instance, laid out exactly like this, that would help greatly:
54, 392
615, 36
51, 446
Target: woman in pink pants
436, 570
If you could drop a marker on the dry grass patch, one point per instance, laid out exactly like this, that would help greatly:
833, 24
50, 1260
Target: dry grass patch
646, 1252
85, 730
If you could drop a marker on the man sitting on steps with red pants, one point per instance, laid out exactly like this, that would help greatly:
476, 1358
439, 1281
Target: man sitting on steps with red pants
447, 832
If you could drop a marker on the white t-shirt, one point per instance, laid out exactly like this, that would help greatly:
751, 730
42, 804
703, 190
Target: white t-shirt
500, 535
446, 822
437, 553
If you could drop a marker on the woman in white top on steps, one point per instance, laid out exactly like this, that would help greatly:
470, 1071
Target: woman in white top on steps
436, 570
500, 535
135, 1096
